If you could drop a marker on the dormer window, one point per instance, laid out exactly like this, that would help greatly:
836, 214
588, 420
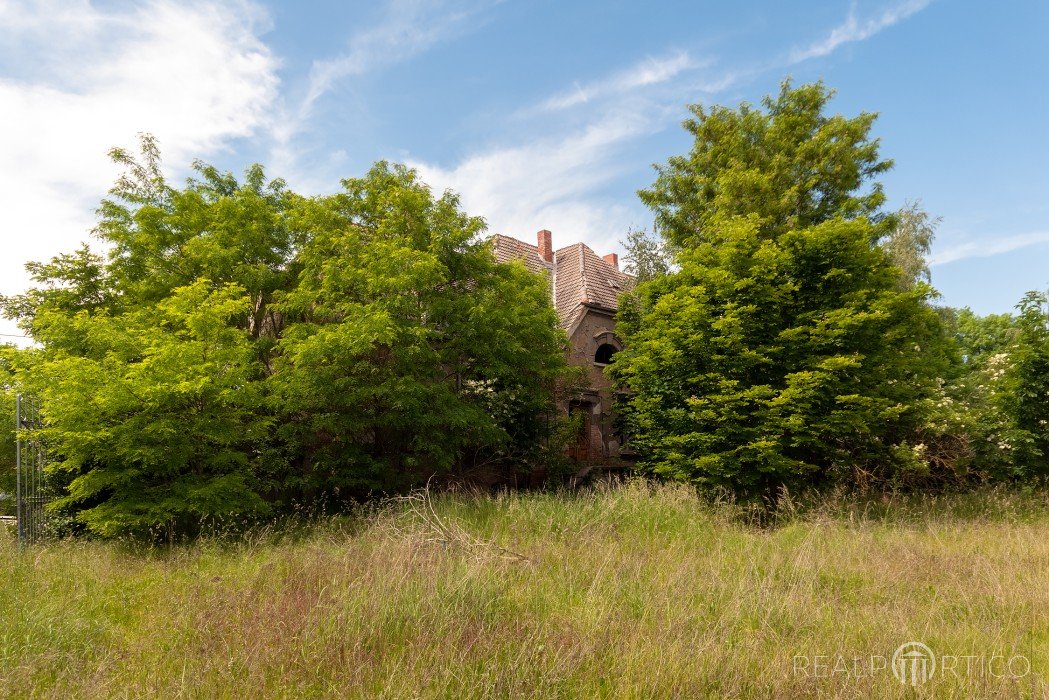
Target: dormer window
604, 354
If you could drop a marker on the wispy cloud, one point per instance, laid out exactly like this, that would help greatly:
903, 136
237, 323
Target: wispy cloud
81, 78
558, 179
553, 183
405, 29
409, 27
650, 71
988, 248
855, 29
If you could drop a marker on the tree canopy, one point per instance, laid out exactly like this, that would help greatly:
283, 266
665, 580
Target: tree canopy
406, 346
234, 348
239, 347
910, 242
783, 350
789, 166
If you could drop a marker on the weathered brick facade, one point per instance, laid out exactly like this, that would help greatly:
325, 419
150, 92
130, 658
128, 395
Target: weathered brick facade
585, 290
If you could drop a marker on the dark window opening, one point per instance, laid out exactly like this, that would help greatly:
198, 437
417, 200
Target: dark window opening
604, 354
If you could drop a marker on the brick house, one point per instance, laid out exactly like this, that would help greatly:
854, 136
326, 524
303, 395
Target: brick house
585, 290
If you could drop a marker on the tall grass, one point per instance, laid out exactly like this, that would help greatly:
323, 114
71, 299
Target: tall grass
635, 591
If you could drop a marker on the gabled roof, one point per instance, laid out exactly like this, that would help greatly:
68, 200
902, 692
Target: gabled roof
508, 249
579, 278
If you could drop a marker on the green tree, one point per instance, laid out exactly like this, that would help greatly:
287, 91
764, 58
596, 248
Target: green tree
909, 243
156, 424
648, 255
7, 429
408, 349
980, 337
1027, 376
789, 165
153, 356
784, 350
240, 346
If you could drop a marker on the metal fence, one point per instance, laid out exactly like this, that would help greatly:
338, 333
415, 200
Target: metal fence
31, 488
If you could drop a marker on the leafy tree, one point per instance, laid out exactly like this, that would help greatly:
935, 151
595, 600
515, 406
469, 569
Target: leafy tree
790, 166
989, 419
240, 346
69, 283
408, 349
1028, 378
909, 243
7, 429
162, 238
649, 255
980, 337
156, 424
153, 356
783, 351
792, 360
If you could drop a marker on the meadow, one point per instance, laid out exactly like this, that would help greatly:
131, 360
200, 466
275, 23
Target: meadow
630, 591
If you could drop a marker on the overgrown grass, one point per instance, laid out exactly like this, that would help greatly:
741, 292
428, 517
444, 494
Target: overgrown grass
635, 591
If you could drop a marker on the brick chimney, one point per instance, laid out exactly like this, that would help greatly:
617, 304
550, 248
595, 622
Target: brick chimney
613, 260
546, 245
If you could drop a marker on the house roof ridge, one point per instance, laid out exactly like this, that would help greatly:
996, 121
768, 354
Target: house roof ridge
514, 239
577, 244
553, 279
579, 278
584, 284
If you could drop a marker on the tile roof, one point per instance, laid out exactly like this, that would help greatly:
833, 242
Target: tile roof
577, 275
507, 249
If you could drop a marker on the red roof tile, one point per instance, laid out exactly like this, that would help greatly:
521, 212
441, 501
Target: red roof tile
578, 276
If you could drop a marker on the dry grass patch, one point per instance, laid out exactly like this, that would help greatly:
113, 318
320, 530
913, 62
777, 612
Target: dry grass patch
635, 591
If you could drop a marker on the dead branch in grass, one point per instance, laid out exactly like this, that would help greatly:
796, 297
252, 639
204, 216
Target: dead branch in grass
449, 534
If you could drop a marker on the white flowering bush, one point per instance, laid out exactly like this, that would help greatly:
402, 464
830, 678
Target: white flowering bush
990, 421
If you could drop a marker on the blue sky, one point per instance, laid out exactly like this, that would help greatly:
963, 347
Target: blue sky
541, 114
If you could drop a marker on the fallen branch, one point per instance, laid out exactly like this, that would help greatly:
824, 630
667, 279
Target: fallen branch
449, 534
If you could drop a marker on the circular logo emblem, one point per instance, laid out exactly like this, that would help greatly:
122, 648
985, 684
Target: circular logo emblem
913, 663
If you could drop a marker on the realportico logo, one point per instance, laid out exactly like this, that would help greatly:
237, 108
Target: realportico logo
914, 664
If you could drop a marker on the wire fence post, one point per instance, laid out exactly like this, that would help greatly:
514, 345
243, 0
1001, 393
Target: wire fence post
32, 488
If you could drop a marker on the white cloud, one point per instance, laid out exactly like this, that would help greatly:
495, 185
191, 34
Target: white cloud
409, 28
406, 28
556, 180
988, 248
85, 79
853, 29
552, 183
650, 71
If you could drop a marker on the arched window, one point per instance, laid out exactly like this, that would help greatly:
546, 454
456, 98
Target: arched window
604, 354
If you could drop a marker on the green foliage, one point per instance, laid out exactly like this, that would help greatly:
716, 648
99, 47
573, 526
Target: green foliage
407, 346
790, 166
783, 361
980, 337
1028, 374
989, 420
909, 243
240, 346
158, 420
967, 432
152, 357
648, 255
7, 429
784, 350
